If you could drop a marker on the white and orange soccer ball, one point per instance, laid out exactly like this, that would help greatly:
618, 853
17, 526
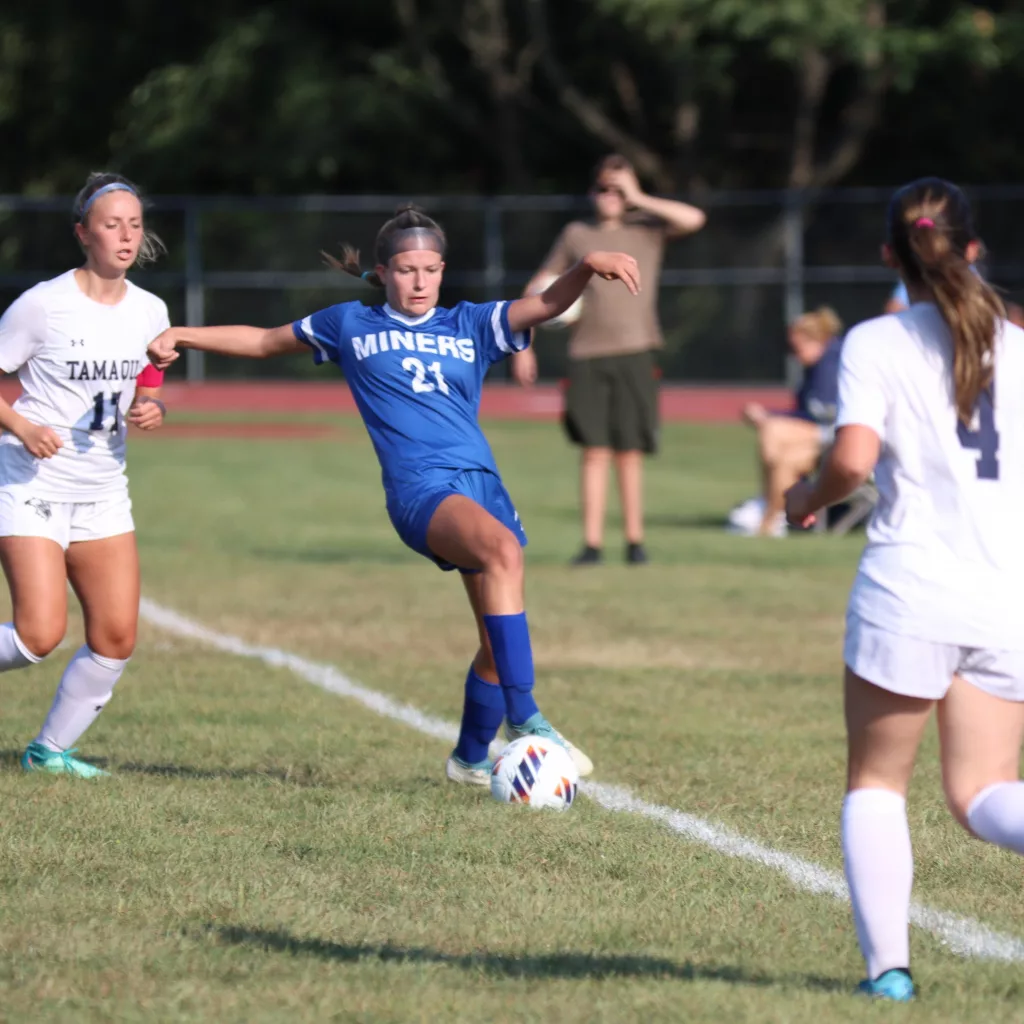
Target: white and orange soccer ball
536, 771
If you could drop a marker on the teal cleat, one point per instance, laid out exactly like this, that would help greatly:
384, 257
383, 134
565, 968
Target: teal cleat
896, 986
38, 758
538, 725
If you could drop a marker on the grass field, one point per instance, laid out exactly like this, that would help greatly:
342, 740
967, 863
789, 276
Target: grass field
269, 851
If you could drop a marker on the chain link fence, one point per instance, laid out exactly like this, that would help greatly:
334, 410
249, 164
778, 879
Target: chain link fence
726, 293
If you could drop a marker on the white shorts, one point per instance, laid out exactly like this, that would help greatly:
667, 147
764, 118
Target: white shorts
66, 522
922, 668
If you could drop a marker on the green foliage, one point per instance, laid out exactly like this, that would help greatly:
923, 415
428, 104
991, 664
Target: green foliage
498, 95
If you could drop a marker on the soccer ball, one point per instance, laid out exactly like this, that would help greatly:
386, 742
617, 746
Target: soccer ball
535, 771
570, 316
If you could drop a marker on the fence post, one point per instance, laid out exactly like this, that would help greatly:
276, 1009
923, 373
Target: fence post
794, 266
494, 259
195, 298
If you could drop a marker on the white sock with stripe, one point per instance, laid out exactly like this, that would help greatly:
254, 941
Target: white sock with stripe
880, 872
86, 686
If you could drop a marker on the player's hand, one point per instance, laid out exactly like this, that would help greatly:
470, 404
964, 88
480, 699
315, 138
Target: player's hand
612, 265
800, 509
524, 368
626, 182
146, 413
41, 442
162, 351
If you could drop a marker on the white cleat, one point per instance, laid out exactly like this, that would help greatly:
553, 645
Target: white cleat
468, 774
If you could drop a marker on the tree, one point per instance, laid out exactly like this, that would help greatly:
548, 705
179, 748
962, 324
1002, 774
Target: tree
800, 82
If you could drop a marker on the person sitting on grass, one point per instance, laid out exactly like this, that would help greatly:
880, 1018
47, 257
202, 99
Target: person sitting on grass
789, 444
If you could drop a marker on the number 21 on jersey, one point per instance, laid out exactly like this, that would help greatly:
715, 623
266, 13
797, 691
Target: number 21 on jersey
984, 440
420, 384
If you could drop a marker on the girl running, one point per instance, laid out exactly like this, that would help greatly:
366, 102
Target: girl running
416, 371
78, 345
932, 396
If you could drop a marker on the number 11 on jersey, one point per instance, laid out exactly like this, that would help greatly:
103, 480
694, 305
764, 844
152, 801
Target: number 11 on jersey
984, 440
99, 405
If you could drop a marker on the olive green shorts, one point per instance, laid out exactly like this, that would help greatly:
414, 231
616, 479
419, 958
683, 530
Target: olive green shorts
612, 402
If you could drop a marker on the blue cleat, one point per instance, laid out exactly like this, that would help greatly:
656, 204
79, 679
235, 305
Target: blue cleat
38, 758
897, 986
538, 725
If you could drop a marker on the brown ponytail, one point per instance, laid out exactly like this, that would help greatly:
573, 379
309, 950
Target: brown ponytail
407, 217
930, 228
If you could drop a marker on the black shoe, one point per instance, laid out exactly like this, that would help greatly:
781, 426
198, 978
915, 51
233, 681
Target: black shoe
588, 556
635, 554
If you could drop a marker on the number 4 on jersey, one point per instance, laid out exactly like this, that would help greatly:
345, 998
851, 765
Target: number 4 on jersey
984, 440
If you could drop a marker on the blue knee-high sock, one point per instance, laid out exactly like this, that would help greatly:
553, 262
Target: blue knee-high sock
482, 712
513, 656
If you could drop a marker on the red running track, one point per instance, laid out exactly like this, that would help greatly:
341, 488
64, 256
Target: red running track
679, 403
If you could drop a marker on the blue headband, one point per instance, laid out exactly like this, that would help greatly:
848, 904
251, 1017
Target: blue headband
114, 186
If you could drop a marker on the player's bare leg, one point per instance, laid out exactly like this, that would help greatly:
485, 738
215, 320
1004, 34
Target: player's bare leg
465, 534
884, 730
105, 577
981, 737
37, 581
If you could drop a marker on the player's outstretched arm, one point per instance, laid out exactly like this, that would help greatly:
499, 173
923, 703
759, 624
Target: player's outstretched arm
533, 310
248, 342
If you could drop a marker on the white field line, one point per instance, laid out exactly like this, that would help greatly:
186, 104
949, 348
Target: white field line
962, 935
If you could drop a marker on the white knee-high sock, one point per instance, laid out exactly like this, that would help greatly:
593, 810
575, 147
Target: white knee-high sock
880, 873
996, 815
86, 686
13, 652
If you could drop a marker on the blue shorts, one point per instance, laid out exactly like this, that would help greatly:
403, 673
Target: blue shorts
411, 513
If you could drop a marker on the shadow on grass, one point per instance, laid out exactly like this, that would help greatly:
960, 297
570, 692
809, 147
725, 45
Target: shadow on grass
303, 777
552, 965
10, 760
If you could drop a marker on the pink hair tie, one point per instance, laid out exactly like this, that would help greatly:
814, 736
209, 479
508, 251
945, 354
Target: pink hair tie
924, 222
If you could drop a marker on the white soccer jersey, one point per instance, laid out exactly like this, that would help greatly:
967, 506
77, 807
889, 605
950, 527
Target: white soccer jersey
77, 360
944, 560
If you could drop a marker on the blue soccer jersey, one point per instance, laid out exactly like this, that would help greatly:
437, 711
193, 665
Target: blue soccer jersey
417, 382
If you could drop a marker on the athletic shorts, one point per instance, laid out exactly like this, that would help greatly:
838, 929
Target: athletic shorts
411, 513
612, 402
66, 522
922, 668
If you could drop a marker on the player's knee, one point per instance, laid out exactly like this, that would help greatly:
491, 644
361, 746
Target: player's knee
40, 637
505, 554
960, 794
113, 642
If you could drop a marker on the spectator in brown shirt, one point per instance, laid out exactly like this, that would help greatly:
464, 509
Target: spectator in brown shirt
612, 403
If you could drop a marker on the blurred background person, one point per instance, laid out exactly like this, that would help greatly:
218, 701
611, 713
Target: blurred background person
790, 444
611, 404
